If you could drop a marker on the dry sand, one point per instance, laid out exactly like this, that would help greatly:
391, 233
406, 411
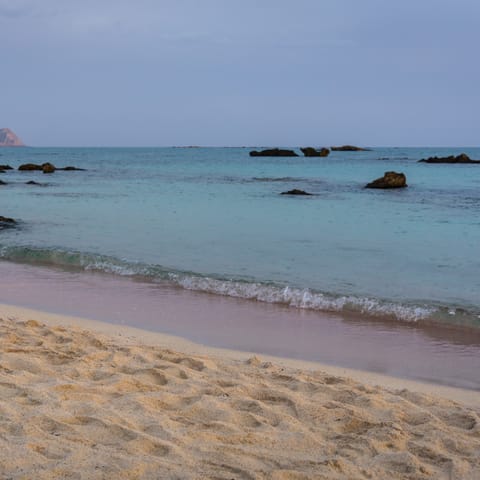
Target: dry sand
116, 403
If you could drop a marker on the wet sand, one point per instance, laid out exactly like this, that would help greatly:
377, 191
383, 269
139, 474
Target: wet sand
431, 353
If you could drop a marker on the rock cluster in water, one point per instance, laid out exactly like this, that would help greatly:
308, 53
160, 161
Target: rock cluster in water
307, 151
462, 158
45, 167
48, 167
389, 180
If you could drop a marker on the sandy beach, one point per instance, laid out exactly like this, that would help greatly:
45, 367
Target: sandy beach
87, 400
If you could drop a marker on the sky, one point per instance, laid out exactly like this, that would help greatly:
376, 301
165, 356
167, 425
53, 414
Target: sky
244, 72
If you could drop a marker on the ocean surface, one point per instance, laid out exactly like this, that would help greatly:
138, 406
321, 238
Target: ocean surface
213, 220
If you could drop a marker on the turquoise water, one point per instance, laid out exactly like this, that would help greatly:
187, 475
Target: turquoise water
212, 219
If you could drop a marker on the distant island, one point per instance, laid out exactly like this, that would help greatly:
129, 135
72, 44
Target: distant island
9, 139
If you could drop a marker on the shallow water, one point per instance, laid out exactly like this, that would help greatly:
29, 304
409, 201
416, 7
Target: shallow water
212, 219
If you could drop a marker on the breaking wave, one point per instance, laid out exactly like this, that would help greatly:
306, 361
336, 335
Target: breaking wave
269, 292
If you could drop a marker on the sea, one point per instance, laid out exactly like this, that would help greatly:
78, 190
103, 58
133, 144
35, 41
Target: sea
214, 220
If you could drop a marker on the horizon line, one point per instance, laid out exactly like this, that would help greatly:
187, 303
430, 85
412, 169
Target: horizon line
229, 146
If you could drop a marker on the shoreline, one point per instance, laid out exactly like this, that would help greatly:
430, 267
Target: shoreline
431, 354
134, 335
361, 305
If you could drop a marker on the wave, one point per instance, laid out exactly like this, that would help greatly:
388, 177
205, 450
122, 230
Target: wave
302, 298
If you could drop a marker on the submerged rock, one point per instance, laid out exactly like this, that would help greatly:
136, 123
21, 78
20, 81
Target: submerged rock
295, 191
349, 148
72, 169
28, 167
462, 158
32, 182
273, 152
389, 180
3, 183
313, 152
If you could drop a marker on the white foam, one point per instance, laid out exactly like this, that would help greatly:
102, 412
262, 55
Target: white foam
304, 298
291, 296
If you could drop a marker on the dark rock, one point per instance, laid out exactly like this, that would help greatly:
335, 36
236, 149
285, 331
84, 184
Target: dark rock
31, 182
273, 152
313, 152
462, 158
349, 148
6, 222
3, 183
389, 180
295, 191
48, 168
72, 169
26, 167
5, 167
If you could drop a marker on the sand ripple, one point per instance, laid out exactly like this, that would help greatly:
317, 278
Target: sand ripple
78, 405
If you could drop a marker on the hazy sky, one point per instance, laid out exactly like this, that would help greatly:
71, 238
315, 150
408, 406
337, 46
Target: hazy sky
241, 72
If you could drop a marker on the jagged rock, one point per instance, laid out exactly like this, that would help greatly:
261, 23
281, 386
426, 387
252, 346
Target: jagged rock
295, 191
273, 152
349, 148
313, 152
5, 167
9, 139
27, 167
462, 158
48, 168
389, 180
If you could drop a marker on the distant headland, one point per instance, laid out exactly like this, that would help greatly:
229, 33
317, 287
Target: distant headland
9, 139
